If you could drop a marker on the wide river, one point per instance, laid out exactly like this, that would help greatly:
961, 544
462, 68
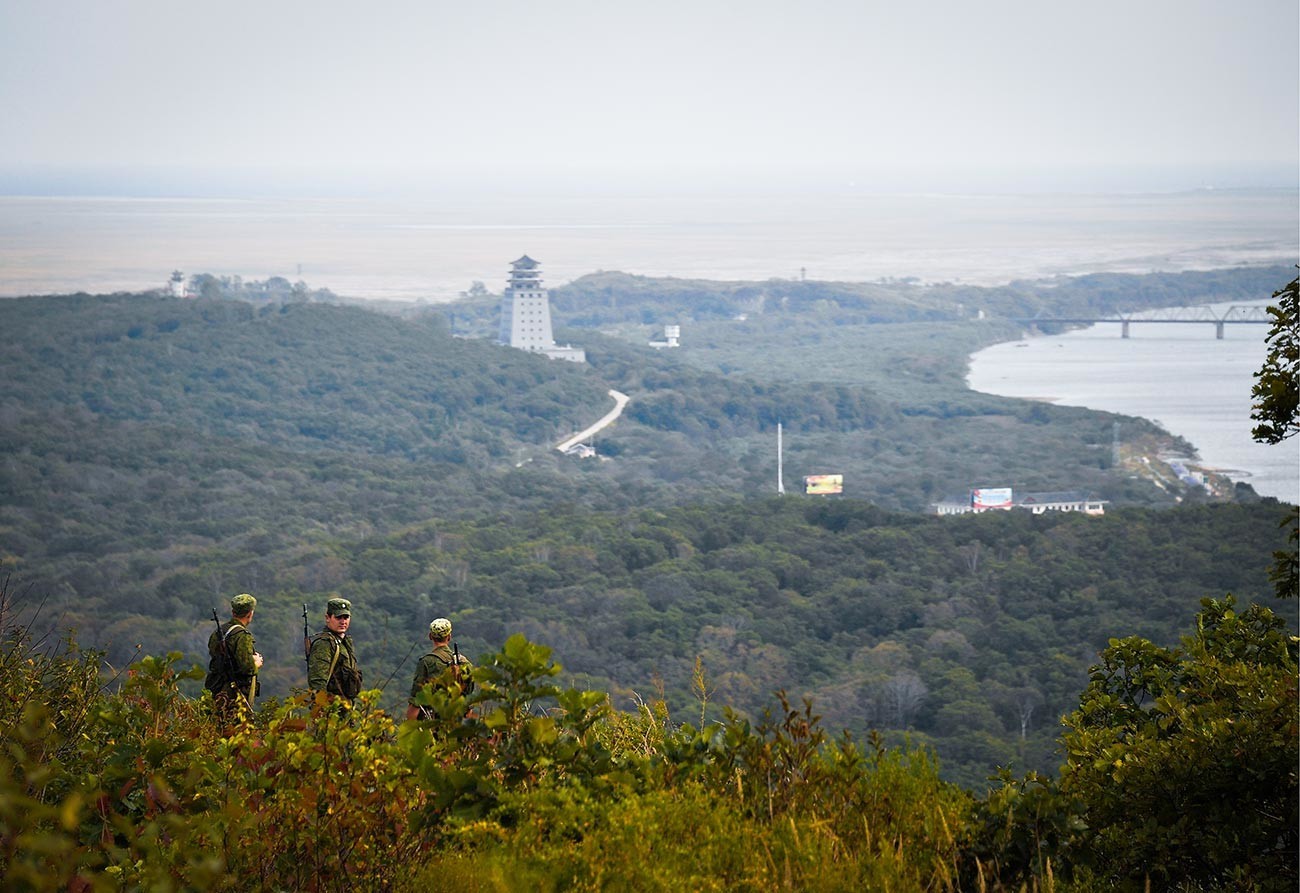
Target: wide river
1179, 376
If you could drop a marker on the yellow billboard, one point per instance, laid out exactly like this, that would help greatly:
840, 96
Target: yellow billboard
822, 484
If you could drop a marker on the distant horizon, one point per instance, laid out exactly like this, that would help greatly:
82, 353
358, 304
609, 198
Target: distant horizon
434, 246
343, 182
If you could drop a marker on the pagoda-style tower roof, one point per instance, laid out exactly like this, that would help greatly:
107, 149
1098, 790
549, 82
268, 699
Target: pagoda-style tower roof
525, 274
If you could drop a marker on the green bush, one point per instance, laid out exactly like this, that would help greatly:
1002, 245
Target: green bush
1185, 759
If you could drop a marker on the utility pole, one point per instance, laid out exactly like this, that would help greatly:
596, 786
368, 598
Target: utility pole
780, 463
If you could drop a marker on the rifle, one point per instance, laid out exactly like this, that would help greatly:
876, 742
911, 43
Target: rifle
221, 641
306, 636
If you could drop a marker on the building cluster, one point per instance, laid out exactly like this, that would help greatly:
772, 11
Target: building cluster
1004, 499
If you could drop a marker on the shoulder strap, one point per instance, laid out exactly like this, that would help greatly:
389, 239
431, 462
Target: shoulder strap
338, 649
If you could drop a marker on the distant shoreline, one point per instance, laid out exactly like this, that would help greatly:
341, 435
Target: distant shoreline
422, 251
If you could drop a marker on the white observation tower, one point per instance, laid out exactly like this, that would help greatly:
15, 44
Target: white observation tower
526, 314
525, 308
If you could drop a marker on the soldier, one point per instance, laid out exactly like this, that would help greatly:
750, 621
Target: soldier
331, 660
433, 664
233, 659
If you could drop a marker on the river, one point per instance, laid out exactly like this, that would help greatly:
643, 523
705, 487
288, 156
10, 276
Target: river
1179, 376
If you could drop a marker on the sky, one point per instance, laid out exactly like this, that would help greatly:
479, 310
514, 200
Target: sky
195, 96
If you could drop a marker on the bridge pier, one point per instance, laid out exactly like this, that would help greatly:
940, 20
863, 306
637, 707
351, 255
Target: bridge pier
1124, 329
1218, 330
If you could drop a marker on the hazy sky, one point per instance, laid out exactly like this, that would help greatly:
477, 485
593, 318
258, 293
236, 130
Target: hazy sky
649, 90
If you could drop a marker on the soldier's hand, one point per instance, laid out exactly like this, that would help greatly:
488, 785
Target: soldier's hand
257, 660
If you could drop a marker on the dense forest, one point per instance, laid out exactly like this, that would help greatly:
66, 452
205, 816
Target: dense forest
161, 454
718, 657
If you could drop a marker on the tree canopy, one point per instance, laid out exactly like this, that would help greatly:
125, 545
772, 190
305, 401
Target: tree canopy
1277, 383
1185, 759
1277, 393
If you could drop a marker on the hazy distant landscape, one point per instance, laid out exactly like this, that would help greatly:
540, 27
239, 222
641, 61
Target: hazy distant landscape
432, 248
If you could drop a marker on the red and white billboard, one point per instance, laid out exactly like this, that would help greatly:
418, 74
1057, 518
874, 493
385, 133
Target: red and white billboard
990, 498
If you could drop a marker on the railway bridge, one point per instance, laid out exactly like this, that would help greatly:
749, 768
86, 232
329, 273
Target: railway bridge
1237, 314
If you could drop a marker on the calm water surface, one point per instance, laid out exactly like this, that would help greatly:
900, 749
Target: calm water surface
1177, 375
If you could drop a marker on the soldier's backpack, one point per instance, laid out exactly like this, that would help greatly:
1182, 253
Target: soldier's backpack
222, 675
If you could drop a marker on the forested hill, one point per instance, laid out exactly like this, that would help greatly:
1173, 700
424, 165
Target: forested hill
160, 454
143, 424
612, 298
216, 420
138, 429
294, 376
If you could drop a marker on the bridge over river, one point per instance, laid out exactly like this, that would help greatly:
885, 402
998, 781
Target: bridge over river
1238, 314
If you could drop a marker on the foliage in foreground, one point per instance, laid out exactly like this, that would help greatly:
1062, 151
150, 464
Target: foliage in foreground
526, 785
1185, 759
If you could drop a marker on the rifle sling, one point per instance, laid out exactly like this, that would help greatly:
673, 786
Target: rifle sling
338, 649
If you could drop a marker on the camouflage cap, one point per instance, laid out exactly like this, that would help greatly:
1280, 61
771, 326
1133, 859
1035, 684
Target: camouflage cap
338, 607
440, 628
242, 604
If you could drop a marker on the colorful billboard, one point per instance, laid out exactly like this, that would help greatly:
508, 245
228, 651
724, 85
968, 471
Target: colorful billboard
991, 498
821, 484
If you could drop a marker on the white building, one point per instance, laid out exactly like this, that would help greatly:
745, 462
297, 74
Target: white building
672, 338
176, 284
1038, 503
526, 314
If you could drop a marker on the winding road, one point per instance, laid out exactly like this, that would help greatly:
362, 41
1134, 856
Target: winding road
620, 400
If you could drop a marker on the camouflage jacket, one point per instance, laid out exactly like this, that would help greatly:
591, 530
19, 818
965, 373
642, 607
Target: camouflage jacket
332, 665
234, 664
433, 664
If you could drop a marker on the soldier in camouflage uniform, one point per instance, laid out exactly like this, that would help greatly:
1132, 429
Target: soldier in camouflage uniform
233, 660
435, 663
332, 660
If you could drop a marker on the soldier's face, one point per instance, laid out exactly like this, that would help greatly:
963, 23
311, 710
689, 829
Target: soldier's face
338, 624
